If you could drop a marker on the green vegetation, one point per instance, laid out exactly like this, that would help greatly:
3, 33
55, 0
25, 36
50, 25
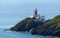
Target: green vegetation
55, 21
29, 19
50, 27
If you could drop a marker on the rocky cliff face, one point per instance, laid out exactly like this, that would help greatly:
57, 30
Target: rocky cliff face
50, 27
26, 25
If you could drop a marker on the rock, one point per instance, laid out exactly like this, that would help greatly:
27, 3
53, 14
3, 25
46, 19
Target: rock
26, 25
50, 27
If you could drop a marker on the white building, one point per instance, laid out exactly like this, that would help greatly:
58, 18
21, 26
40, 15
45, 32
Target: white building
38, 17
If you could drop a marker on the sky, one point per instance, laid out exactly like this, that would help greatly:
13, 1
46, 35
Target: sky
14, 10
43, 6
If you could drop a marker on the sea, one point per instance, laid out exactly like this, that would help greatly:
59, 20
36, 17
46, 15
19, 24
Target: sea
8, 20
13, 11
13, 34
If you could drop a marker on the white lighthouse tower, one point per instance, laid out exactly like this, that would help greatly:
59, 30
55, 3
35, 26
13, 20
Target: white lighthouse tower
38, 17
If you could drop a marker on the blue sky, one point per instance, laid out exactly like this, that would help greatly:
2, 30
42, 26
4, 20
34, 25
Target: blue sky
14, 10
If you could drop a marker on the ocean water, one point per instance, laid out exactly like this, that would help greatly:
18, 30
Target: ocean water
8, 20
13, 11
13, 34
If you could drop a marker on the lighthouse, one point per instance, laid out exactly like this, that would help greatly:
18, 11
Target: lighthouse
35, 12
38, 17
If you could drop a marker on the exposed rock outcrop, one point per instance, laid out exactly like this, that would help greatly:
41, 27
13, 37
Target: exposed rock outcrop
26, 25
50, 27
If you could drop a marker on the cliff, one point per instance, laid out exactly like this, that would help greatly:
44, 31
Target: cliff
26, 25
50, 27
